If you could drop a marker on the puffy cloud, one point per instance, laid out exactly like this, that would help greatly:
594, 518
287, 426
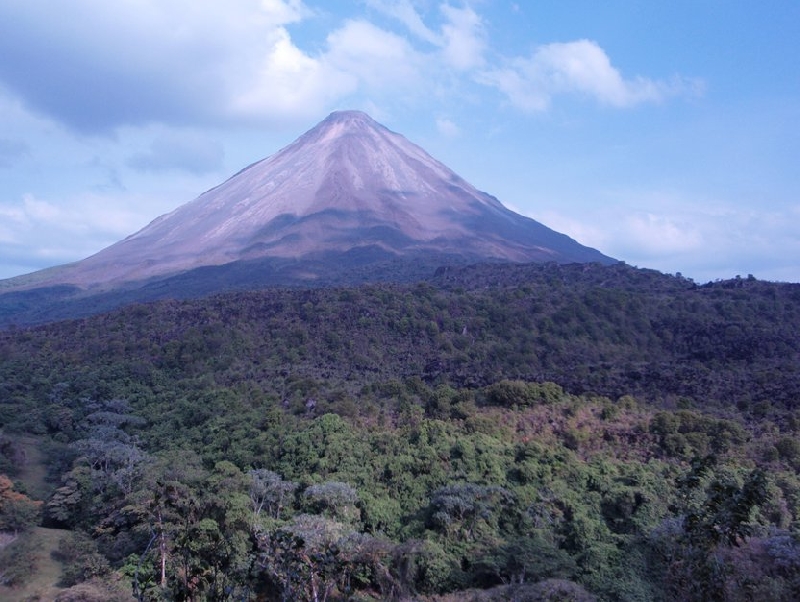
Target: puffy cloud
96, 66
461, 39
579, 67
99, 66
654, 235
639, 237
375, 58
67, 230
285, 82
404, 12
447, 128
88, 211
704, 241
464, 38
285, 11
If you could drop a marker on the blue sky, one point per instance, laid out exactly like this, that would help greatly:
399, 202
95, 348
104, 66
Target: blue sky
665, 134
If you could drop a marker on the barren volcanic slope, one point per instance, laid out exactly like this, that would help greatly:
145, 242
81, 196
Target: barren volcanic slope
347, 184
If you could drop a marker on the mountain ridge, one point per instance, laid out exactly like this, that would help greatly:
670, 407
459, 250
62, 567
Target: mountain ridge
348, 202
348, 182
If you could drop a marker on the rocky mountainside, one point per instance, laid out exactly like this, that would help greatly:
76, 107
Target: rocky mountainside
348, 183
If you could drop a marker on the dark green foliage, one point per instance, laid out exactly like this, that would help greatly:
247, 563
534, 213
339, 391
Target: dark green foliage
12, 456
520, 393
716, 509
525, 559
81, 559
690, 434
611, 330
527, 430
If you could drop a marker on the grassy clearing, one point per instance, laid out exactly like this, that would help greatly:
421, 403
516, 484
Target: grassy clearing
46, 573
42, 586
34, 471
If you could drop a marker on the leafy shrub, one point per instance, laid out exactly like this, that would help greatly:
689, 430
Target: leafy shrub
17, 511
508, 393
80, 558
95, 591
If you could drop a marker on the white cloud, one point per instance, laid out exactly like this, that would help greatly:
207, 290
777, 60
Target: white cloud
639, 237
35, 210
37, 233
447, 128
99, 66
464, 38
376, 58
704, 241
461, 40
286, 83
655, 235
285, 11
404, 12
579, 67
19, 218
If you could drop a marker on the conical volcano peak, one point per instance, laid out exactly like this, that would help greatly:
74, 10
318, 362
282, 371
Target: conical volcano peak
343, 123
350, 116
347, 186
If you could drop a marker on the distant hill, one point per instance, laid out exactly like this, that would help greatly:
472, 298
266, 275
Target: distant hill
610, 330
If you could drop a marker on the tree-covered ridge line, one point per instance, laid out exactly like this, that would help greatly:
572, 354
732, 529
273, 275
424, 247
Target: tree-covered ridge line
609, 330
501, 432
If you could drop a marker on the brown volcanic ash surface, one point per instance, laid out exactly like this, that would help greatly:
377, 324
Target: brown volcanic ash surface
347, 183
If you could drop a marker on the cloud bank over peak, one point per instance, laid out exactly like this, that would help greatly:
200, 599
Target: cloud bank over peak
135, 106
149, 61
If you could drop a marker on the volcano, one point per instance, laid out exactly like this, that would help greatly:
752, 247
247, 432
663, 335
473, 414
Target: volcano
347, 186
348, 202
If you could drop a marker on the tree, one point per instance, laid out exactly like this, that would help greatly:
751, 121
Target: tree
71, 502
335, 499
268, 491
525, 559
303, 557
17, 511
714, 512
460, 507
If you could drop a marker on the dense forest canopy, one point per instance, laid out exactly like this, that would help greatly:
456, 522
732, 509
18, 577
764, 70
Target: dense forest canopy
589, 432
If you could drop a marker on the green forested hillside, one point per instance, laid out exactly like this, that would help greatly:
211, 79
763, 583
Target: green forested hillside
533, 431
